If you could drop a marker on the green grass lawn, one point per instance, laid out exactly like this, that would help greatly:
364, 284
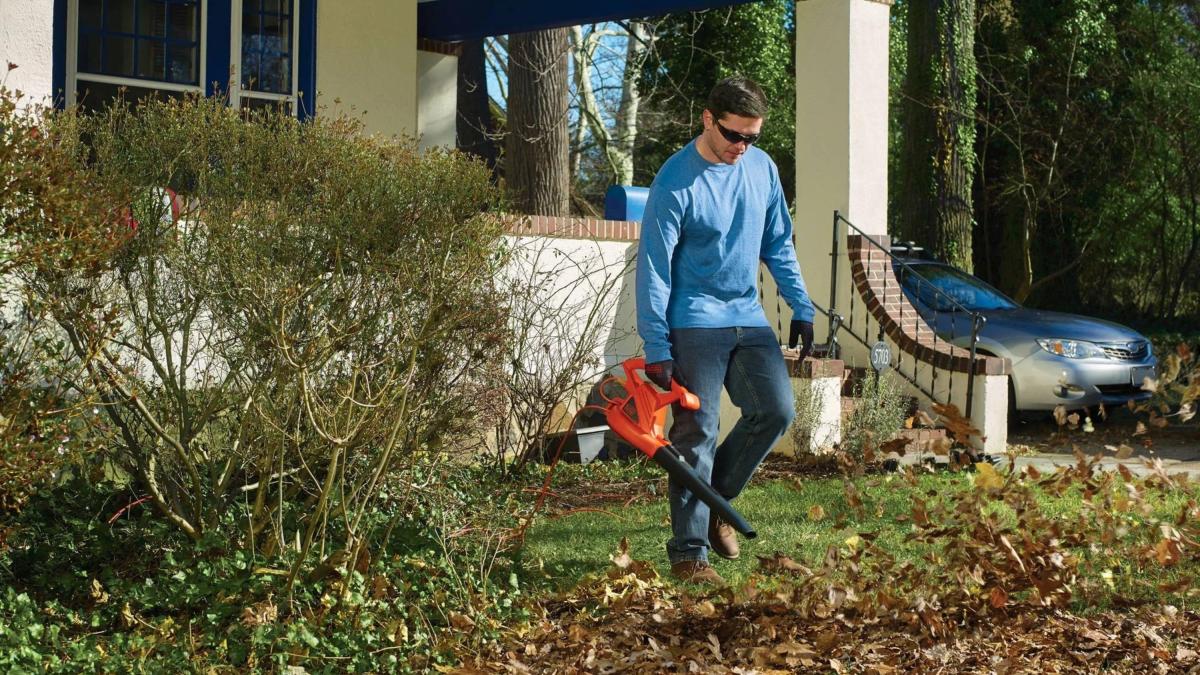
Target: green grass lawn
577, 544
568, 547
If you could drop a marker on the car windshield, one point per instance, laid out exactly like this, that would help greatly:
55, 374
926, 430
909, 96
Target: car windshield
952, 286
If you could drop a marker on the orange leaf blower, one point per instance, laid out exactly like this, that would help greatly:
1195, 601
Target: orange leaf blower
638, 413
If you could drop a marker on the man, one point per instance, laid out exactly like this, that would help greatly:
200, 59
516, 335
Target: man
715, 209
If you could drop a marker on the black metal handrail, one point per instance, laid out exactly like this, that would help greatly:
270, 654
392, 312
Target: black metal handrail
977, 319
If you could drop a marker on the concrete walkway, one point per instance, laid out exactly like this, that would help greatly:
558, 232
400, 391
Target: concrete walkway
1045, 446
1048, 462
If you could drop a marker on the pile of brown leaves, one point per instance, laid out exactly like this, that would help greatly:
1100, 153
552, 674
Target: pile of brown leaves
651, 629
998, 589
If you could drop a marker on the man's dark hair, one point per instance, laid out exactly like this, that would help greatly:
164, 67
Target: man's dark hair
737, 95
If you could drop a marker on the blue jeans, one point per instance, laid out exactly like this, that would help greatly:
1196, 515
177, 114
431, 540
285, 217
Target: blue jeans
749, 364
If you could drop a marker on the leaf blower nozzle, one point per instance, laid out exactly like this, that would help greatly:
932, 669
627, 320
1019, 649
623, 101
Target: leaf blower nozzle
638, 414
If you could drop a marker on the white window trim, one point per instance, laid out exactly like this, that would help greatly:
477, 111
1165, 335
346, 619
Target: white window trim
236, 93
74, 75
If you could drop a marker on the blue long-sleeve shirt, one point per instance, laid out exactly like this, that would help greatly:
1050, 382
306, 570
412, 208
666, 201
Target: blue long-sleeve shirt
705, 228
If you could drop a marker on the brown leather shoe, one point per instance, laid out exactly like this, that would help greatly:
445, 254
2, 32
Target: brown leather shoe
696, 572
722, 538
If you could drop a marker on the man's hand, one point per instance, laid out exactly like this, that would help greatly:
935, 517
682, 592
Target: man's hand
661, 373
802, 331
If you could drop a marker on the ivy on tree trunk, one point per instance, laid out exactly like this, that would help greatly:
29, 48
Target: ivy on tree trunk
938, 152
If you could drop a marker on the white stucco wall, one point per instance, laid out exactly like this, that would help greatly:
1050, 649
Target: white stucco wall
437, 99
367, 62
584, 291
27, 39
574, 276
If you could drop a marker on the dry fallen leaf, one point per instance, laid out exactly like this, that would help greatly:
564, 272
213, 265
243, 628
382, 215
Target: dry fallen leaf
987, 478
958, 426
1121, 451
461, 621
99, 595
998, 597
1060, 415
816, 512
896, 445
777, 562
1167, 552
260, 614
621, 559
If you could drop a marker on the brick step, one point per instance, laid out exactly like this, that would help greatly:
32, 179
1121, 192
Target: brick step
917, 438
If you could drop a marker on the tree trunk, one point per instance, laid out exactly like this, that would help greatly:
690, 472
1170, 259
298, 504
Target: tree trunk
939, 135
636, 50
536, 148
474, 128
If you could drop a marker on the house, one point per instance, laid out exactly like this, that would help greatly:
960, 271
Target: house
394, 61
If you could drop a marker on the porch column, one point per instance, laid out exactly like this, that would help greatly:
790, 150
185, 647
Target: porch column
367, 63
841, 139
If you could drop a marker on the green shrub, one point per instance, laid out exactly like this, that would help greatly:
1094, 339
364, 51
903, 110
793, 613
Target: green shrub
319, 315
54, 216
879, 412
82, 594
808, 413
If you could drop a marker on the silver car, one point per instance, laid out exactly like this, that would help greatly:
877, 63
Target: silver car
1057, 359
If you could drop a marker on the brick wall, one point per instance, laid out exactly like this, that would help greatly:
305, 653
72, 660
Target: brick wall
880, 290
576, 228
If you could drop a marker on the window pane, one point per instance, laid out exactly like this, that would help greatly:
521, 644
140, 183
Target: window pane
89, 14
89, 54
151, 59
92, 96
250, 61
183, 66
183, 24
279, 33
118, 56
267, 46
118, 16
256, 104
152, 18
249, 24
279, 79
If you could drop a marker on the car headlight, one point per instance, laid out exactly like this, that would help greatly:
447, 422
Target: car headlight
1072, 349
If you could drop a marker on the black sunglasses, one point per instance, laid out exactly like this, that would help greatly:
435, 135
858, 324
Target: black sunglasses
735, 137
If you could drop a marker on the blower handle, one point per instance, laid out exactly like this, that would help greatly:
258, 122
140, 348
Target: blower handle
661, 399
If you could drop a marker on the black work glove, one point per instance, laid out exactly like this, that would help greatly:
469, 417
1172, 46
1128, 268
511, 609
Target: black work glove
802, 331
661, 373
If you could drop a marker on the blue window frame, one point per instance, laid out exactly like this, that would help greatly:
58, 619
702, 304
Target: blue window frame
157, 40
167, 47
